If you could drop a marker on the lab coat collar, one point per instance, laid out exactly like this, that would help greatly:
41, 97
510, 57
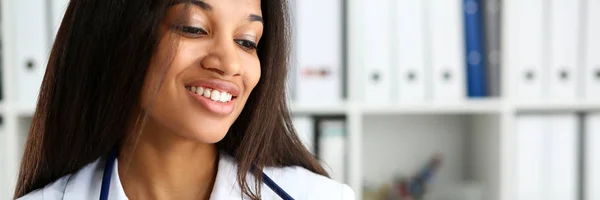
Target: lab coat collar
83, 186
226, 184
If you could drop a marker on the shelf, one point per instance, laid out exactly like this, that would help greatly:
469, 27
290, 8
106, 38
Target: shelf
472, 106
20, 110
24, 110
321, 109
558, 106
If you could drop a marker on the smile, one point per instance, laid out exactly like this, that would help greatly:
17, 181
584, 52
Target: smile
212, 94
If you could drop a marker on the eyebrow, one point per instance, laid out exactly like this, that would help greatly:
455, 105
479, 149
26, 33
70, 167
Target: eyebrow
202, 5
256, 18
199, 3
205, 6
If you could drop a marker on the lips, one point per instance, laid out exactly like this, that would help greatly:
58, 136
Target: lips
216, 96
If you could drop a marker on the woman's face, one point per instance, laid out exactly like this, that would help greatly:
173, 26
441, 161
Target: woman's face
209, 65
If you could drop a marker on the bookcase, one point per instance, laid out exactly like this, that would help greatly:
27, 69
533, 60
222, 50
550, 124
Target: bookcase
476, 137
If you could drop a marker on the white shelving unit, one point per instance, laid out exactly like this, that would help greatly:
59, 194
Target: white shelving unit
476, 136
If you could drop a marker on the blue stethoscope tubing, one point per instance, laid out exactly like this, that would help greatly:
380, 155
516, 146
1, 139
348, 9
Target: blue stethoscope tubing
108, 170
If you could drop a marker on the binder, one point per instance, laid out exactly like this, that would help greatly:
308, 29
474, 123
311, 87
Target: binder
564, 35
3, 164
592, 156
292, 80
2, 49
319, 39
411, 56
31, 48
529, 146
526, 43
57, 11
474, 42
446, 50
332, 147
492, 15
377, 51
547, 162
305, 128
592, 50
1, 64
561, 155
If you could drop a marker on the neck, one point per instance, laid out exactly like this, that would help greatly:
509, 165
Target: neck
165, 166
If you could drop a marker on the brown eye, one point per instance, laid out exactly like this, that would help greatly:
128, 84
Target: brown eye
246, 44
190, 31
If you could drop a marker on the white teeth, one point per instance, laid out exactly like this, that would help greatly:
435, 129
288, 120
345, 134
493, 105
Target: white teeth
223, 97
215, 96
206, 93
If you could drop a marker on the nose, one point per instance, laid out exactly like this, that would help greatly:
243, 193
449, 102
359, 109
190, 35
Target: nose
223, 58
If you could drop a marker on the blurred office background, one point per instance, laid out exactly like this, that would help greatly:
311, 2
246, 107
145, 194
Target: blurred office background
404, 99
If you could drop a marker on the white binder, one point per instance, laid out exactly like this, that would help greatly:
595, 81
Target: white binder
447, 50
58, 11
292, 81
411, 27
319, 51
31, 48
564, 56
526, 42
529, 158
592, 156
561, 157
546, 164
377, 51
3, 164
305, 128
592, 50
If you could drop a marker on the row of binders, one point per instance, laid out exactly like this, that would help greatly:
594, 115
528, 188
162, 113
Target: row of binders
558, 156
409, 50
325, 137
445, 50
554, 48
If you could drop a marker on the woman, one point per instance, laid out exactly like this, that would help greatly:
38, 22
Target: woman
158, 99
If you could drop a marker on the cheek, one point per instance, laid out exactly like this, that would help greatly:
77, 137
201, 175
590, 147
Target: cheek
160, 77
150, 87
252, 74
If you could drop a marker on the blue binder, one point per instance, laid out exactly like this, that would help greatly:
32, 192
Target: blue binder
475, 51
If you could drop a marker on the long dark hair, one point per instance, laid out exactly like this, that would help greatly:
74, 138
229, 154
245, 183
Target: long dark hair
95, 75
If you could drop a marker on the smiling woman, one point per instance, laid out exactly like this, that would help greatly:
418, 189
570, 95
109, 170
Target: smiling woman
157, 99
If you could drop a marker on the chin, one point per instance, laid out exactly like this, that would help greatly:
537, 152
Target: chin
206, 133
209, 137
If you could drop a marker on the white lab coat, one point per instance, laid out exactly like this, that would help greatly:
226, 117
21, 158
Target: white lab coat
296, 181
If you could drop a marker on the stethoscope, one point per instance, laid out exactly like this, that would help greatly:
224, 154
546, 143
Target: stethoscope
108, 170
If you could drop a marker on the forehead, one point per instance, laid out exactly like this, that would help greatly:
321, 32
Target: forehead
252, 6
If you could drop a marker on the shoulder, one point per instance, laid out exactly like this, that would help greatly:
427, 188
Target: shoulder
304, 184
51, 191
76, 185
